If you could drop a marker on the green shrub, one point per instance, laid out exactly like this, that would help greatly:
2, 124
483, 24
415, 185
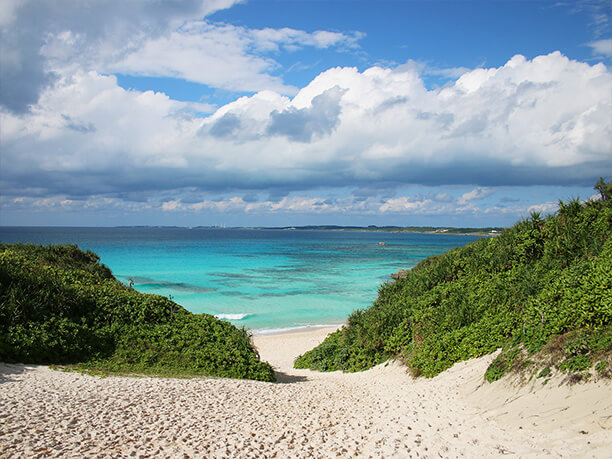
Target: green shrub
540, 279
59, 305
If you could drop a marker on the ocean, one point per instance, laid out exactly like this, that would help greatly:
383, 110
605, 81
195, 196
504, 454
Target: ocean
263, 280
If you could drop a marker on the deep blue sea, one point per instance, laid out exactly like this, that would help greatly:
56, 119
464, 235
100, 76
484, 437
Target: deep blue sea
259, 279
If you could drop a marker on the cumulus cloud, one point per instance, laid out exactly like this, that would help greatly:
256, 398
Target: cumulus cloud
301, 124
441, 197
225, 126
42, 38
406, 204
541, 121
291, 205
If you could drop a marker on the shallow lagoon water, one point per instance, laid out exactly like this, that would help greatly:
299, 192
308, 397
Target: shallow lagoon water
259, 279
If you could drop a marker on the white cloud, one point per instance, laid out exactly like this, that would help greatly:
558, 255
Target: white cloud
288, 209
42, 39
449, 72
217, 55
299, 204
129, 37
405, 204
87, 144
125, 130
291, 39
602, 47
222, 55
537, 121
544, 208
294, 204
477, 193
442, 197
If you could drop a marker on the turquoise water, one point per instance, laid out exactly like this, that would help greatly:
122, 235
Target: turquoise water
259, 279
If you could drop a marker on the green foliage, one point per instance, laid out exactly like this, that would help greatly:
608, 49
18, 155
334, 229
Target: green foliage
544, 373
502, 363
601, 366
576, 363
605, 189
59, 305
326, 357
542, 278
584, 346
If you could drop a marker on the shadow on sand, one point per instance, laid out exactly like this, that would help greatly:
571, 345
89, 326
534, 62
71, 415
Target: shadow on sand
284, 378
9, 370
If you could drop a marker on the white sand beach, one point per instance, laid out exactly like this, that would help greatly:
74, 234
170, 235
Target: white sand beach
382, 412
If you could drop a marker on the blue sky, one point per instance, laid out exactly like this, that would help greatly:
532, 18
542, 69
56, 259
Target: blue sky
441, 34
462, 113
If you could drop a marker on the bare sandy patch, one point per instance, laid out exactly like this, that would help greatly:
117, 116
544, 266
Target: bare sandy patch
382, 412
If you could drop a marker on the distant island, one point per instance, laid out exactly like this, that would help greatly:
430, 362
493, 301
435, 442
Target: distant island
487, 231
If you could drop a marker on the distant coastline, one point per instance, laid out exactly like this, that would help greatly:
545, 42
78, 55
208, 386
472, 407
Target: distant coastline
486, 231
456, 231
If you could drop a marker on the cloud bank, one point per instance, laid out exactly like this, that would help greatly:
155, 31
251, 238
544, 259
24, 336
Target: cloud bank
529, 122
73, 138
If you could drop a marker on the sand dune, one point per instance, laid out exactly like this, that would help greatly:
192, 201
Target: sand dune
378, 413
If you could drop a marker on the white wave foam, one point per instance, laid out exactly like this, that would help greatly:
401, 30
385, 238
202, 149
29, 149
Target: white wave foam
232, 316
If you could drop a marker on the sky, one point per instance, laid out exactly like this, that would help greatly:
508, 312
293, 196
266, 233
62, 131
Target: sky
285, 113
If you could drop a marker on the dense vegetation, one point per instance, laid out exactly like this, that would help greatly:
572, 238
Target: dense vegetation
542, 290
59, 305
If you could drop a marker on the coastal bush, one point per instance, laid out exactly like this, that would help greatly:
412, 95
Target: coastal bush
543, 278
59, 305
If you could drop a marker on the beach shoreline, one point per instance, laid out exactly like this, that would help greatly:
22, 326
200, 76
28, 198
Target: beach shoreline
382, 412
297, 329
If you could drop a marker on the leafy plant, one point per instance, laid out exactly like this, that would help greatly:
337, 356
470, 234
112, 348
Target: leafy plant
543, 278
59, 305
544, 373
601, 366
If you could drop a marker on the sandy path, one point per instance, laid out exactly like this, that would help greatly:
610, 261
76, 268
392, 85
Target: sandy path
379, 413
